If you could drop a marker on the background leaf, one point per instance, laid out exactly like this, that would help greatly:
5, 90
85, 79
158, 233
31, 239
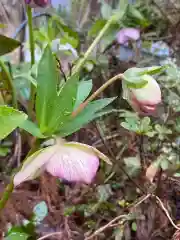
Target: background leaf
7, 45
40, 211
10, 119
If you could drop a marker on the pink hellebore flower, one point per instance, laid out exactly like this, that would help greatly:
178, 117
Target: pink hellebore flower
145, 100
37, 3
126, 34
71, 161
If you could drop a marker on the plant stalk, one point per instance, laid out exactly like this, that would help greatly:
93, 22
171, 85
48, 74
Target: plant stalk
6, 194
96, 93
32, 50
9, 80
10, 187
79, 65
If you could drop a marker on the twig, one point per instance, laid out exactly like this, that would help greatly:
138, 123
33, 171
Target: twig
111, 153
50, 235
111, 223
166, 212
97, 232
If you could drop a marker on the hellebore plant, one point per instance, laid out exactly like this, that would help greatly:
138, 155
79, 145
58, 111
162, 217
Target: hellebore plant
58, 108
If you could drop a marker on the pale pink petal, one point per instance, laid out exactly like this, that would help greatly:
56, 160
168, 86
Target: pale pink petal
126, 34
150, 94
34, 165
73, 165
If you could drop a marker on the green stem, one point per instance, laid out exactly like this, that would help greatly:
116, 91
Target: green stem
10, 83
96, 93
92, 46
32, 49
10, 187
6, 194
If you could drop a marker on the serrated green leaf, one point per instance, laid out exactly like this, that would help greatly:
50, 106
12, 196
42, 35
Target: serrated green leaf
32, 128
64, 104
87, 115
84, 88
10, 119
7, 44
46, 89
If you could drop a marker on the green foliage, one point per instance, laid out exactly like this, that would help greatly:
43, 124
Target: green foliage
10, 119
32, 128
7, 44
90, 113
17, 233
139, 126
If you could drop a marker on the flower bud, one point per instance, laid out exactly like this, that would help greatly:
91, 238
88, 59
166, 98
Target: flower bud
37, 3
126, 34
145, 100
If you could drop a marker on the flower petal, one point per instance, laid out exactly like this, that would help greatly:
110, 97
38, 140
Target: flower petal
89, 149
34, 165
126, 34
150, 94
73, 165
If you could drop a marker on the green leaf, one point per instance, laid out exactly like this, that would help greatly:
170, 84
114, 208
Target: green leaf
136, 15
7, 45
17, 233
96, 27
106, 10
84, 88
64, 104
46, 89
10, 119
152, 70
87, 115
32, 128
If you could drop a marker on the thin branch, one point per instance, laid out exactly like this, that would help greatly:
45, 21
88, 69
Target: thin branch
125, 216
50, 235
166, 212
111, 153
97, 232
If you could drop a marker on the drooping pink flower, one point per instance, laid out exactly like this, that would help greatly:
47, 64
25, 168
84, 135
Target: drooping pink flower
145, 100
74, 165
126, 34
38, 3
71, 161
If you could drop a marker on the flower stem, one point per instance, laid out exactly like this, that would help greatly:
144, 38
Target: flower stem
6, 194
10, 187
9, 81
92, 46
32, 49
96, 93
